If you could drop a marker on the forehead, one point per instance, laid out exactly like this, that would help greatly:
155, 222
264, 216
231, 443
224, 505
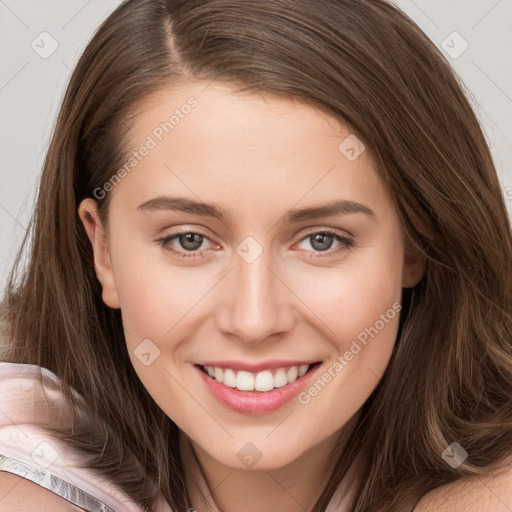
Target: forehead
211, 141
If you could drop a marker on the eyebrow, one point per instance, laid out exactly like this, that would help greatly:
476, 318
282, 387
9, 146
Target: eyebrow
338, 207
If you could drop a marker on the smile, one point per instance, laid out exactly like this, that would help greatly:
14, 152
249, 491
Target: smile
263, 381
256, 392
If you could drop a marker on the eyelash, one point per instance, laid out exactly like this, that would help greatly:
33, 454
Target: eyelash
346, 244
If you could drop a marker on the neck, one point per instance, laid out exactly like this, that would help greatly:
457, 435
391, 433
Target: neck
292, 488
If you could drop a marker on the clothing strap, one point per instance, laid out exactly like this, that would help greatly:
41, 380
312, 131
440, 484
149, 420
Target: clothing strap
54, 484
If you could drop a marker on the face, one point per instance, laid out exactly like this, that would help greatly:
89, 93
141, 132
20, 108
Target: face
297, 263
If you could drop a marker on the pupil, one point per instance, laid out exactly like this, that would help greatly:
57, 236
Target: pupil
321, 237
188, 238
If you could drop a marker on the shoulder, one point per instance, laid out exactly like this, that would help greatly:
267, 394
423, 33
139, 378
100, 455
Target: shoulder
491, 493
18, 494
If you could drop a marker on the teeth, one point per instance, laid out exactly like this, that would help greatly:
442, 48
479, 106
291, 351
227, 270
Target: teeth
229, 378
244, 381
280, 379
266, 380
292, 374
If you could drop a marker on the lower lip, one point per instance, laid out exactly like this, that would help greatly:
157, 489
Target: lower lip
256, 402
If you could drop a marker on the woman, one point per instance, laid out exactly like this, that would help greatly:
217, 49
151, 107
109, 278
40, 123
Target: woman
271, 266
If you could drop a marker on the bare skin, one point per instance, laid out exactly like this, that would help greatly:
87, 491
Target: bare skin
257, 157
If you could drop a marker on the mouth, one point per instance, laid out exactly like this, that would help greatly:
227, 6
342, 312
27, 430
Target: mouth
263, 381
256, 392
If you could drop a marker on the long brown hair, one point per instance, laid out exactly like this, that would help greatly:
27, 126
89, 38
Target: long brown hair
367, 64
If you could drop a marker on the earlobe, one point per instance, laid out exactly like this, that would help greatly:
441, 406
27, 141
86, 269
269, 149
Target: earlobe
414, 267
88, 213
414, 259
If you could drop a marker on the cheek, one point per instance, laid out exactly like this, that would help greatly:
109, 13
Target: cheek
351, 297
150, 294
362, 325
152, 302
160, 300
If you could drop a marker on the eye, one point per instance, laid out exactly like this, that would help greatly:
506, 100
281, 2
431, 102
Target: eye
322, 241
190, 241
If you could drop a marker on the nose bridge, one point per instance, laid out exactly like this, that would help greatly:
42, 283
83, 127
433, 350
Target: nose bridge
256, 306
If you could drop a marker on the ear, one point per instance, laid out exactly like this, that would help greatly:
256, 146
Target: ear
88, 213
414, 259
414, 267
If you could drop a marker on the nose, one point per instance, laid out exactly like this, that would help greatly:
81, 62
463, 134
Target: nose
259, 303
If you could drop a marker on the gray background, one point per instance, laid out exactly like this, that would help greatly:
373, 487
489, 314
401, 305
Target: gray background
31, 87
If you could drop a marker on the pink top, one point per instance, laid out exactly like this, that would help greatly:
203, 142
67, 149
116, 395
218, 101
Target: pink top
30, 452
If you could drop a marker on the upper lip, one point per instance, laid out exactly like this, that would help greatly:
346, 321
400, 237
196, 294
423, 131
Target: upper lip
255, 367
